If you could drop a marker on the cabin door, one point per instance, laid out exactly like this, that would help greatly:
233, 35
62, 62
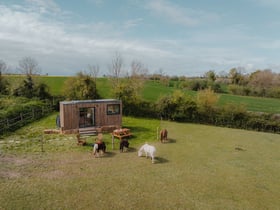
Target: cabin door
87, 117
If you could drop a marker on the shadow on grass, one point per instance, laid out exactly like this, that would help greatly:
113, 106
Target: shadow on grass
108, 155
169, 141
132, 149
160, 160
129, 150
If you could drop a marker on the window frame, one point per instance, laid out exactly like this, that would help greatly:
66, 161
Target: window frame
116, 107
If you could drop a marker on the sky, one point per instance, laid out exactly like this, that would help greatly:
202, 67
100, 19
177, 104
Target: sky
172, 37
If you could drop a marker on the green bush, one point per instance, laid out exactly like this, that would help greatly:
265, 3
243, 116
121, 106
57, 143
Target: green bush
18, 111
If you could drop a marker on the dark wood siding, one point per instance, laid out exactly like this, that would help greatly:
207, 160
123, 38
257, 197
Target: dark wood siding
70, 114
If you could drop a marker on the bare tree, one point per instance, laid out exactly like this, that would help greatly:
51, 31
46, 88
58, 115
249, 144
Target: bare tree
93, 71
115, 70
138, 74
29, 66
138, 70
117, 65
3, 82
3, 67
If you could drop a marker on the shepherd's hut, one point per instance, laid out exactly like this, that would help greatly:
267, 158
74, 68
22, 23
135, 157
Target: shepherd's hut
95, 115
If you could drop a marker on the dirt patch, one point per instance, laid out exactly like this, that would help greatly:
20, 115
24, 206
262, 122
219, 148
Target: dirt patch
17, 161
9, 174
11, 165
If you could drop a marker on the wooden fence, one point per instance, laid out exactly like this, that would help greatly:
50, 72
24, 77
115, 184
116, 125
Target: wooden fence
23, 118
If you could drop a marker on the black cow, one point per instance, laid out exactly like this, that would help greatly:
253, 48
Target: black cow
123, 144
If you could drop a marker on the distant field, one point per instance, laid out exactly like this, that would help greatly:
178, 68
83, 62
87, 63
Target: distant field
55, 83
256, 104
154, 89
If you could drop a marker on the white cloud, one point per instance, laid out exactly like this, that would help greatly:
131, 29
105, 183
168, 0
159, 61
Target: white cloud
180, 15
65, 47
176, 14
44, 6
270, 44
27, 34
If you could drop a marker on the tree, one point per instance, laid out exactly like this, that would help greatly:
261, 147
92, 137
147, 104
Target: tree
261, 81
3, 68
3, 82
26, 88
43, 91
93, 71
210, 75
236, 76
29, 66
115, 71
176, 106
80, 87
137, 76
130, 87
207, 99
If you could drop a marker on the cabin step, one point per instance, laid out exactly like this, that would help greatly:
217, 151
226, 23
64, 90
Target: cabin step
88, 132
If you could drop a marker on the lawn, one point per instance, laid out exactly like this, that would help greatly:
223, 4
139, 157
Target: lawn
201, 167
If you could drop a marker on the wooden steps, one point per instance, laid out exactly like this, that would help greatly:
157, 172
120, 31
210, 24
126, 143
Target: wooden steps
89, 131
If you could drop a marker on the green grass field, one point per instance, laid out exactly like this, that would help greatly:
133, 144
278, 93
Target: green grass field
201, 167
255, 104
55, 83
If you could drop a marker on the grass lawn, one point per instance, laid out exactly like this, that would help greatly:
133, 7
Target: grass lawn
201, 167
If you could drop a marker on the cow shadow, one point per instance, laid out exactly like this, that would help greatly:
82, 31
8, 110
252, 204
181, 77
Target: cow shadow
129, 150
169, 141
108, 155
160, 160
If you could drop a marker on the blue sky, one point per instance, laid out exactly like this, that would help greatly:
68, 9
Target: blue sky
178, 37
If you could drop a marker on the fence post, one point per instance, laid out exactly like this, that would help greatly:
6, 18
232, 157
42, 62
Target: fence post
42, 143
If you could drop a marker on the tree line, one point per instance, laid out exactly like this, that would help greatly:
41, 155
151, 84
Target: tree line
260, 83
28, 87
127, 86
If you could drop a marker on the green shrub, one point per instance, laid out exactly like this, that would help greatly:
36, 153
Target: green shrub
18, 111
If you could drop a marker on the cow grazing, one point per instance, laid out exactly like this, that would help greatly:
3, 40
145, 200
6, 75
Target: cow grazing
163, 135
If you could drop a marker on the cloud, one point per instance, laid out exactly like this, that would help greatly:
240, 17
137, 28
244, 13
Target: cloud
64, 47
59, 45
44, 6
273, 4
178, 14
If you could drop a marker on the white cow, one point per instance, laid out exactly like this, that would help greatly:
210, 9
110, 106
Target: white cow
149, 151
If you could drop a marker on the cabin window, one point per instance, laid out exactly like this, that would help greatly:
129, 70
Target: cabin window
113, 109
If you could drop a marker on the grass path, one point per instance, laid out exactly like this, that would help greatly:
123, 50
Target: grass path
202, 167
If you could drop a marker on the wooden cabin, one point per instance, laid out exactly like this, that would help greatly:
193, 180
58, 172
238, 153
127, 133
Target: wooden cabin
96, 115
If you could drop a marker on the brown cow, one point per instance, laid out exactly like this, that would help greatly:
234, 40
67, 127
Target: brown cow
163, 135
